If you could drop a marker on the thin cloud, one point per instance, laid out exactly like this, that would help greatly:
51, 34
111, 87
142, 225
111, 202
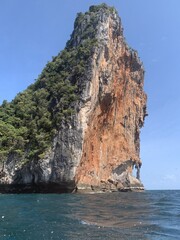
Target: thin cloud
170, 177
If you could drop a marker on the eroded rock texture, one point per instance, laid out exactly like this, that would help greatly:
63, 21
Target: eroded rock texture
100, 146
114, 113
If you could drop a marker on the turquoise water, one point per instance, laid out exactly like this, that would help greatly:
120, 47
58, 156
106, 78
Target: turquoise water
146, 215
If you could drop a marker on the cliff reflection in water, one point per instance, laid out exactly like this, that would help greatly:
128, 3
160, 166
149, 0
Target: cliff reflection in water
122, 210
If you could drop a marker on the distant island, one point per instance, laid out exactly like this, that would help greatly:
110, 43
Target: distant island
77, 128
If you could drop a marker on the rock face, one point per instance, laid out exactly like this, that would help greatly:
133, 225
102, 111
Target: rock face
99, 147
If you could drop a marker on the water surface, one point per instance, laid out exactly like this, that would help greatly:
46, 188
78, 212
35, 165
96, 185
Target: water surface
144, 215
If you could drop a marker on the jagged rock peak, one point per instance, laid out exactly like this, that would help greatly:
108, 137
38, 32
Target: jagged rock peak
86, 135
94, 24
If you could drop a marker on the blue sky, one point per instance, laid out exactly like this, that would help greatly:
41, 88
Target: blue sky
31, 32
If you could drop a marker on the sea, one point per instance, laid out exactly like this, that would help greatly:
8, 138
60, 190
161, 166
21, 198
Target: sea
144, 215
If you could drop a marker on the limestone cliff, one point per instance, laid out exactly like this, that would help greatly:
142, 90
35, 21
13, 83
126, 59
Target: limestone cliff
99, 146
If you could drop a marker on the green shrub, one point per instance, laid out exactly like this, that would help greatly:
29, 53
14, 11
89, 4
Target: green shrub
31, 120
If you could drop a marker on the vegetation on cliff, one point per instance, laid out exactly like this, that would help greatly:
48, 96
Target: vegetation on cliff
29, 122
